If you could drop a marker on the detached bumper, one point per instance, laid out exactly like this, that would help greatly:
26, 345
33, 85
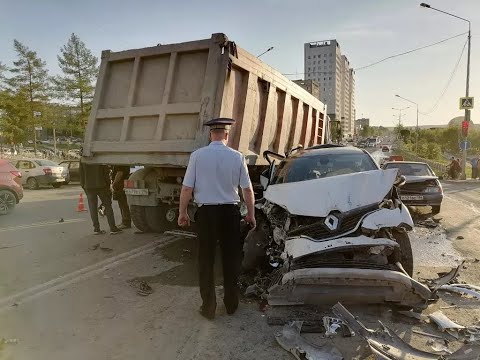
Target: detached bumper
326, 286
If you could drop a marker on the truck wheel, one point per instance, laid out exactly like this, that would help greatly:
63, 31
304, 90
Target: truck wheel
161, 218
406, 254
139, 218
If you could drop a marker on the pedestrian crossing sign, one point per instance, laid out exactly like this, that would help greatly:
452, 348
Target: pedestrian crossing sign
466, 103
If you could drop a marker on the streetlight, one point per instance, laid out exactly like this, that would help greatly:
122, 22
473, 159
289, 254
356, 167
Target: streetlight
400, 113
269, 49
416, 137
467, 111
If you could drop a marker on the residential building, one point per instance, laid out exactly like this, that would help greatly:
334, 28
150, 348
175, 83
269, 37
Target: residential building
324, 63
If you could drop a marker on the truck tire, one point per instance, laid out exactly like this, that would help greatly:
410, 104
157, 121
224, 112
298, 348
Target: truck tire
157, 219
139, 218
406, 254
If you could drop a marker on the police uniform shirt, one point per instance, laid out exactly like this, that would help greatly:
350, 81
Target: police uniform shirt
215, 172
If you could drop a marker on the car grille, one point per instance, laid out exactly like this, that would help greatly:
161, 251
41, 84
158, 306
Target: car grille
357, 264
316, 228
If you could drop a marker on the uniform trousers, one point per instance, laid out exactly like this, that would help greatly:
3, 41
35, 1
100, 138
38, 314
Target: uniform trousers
219, 224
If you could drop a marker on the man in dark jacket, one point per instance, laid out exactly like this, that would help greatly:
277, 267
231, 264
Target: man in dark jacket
119, 175
95, 181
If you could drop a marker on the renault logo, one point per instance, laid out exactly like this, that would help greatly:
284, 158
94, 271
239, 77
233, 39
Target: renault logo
331, 222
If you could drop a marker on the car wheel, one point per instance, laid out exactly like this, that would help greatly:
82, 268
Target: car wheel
7, 202
56, 185
406, 254
32, 183
435, 209
66, 182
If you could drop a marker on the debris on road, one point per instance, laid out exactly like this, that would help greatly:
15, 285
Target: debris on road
428, 223
443, 322
291, 340
427, 334
459, 237
462, 289
445, 279
106, 249
332, 324
61, 220
143, 288
94, 247
413, 315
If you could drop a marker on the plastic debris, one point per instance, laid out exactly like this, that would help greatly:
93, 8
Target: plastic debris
291, 340
459, 289
413, 315
443, 322
445, 279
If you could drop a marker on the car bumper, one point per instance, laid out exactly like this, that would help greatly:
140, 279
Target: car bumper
326, 286
50, 179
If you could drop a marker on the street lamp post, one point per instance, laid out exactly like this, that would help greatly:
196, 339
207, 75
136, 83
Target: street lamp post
416, 136
467, 111
400, 114
266, 51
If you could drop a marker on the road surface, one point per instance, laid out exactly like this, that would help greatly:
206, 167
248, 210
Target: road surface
68, 294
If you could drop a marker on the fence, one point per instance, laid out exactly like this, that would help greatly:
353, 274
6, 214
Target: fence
438, 167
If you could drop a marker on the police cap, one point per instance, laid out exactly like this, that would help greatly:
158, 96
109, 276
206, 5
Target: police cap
220, 123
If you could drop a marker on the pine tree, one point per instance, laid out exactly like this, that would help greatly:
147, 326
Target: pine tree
27, 91
79, 67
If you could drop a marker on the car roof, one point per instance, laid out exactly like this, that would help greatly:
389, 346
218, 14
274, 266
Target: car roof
327, 149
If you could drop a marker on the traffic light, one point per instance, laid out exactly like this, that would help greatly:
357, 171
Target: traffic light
465, 128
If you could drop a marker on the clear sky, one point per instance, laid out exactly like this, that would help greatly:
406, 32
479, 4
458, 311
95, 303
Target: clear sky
367, 30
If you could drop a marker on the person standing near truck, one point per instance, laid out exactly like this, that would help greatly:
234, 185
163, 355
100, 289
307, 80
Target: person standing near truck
95, 181
213, 176
119, 175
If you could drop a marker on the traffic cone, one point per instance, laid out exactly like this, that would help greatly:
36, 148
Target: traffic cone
81, 205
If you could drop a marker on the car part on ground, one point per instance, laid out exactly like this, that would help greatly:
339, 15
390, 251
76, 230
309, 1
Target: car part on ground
290, 339
386, 344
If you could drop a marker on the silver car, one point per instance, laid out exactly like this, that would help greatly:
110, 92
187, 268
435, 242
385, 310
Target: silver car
38, 172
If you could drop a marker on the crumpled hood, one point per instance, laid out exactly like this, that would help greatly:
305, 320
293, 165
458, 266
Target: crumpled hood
319, 197
417, 179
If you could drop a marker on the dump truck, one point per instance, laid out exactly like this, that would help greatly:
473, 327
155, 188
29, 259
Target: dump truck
150, 105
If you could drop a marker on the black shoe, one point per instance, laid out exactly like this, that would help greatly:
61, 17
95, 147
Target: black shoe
124, 226
98, 232
115, 231
231, 309
210, 315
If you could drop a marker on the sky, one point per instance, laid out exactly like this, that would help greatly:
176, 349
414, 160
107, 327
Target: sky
367, 30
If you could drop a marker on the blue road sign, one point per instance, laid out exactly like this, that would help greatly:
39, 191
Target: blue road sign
464, 145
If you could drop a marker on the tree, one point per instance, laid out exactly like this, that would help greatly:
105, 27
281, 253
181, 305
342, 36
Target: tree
26, 91
79, 67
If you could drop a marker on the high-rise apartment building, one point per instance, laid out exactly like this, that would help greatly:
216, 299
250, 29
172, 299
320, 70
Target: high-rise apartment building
324, 63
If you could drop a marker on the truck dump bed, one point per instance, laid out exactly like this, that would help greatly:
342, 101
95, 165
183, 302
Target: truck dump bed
150, 105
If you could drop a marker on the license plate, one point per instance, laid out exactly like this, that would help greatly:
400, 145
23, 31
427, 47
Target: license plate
411, 197
136, 192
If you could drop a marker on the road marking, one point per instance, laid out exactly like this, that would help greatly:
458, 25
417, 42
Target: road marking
80, 275
40, 224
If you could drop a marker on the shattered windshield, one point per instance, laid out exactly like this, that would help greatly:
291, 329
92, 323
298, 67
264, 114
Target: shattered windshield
411, 169
321, 166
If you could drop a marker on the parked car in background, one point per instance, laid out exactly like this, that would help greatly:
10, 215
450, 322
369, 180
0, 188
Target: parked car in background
385, 148
422, 187
11, 191
73, 167
37, 172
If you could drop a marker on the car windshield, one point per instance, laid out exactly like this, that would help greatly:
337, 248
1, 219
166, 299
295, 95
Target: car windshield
46, 163
411, 169
321, 166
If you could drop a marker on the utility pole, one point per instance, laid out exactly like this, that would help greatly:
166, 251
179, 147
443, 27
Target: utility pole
400, 114
467, 111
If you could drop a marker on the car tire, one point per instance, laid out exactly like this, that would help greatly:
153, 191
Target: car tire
8, 201
32, 183
436, 209
56, 185
66, 182
406, 253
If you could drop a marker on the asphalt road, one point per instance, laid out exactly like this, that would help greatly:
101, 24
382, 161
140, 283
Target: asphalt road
68, 294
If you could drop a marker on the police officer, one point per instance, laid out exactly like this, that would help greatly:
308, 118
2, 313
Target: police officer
213, 176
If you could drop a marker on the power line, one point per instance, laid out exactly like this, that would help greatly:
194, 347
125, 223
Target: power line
434, 107
410, 51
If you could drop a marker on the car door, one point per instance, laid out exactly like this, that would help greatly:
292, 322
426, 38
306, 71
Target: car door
74, 170
27, 168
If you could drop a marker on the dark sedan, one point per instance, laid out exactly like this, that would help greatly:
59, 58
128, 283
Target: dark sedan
73, 167
422, 187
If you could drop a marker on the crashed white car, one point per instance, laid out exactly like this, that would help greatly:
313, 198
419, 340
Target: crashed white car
330, 228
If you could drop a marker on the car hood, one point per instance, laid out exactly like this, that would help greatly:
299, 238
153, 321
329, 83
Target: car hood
318, 197
417, 179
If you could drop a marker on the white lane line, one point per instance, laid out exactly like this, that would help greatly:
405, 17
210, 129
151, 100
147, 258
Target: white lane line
79, 275
40, 224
